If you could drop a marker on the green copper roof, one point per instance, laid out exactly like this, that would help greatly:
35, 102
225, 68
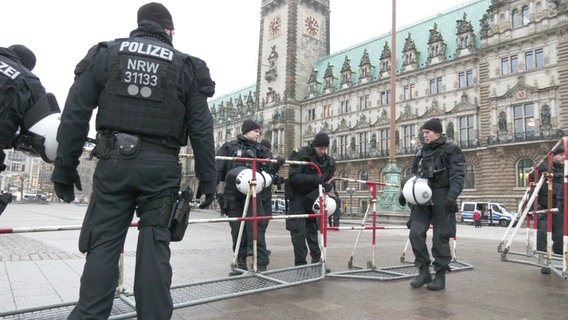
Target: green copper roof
420, 32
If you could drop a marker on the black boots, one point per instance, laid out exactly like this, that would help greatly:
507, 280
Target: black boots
439, 282
423, 277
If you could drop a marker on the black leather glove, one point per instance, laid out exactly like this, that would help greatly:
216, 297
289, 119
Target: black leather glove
451, 205
327, 187
401, 200
280, 161
5, 198
208, 200
319, 179
63, 182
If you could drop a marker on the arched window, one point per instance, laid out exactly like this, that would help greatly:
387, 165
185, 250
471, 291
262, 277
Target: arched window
343, 184
469, 182
524, 166
363, 175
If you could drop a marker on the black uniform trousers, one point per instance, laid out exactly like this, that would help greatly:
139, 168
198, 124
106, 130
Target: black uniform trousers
236, 204
118, 186
444, 227
557, 229
304, 234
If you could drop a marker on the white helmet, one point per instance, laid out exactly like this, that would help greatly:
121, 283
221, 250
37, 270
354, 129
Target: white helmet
242, 176
330, 204
38, 135
417, 191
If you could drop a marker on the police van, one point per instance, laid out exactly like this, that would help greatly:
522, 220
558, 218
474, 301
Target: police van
492, 213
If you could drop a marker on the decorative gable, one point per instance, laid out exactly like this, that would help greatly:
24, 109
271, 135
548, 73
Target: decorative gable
329, 79
410, 54
385, 60
342, 127
434, 111
463, 106
407, 115
365, 68
465, 37
436, 46
346, 74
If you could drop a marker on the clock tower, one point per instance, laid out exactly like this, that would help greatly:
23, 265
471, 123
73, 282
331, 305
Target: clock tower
294, 35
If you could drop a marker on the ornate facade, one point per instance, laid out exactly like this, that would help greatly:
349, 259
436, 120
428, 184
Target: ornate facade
494, 71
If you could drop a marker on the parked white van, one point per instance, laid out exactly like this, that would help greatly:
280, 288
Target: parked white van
491, 213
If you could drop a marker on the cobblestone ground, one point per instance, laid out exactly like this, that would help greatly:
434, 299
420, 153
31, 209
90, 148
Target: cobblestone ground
14, 247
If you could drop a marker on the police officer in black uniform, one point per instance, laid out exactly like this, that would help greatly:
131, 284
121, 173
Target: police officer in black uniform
246, 145
22, 97
557, 194
150, 97
303, 181
443, 165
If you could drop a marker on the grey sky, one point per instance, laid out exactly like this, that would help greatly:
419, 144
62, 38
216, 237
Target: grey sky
224, 33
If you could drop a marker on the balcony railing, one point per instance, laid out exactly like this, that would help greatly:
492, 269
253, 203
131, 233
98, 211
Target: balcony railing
503, 138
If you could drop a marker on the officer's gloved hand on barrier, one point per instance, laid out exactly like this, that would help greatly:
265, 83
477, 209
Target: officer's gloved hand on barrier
63, 181
280, 161
401, 200
451, 205
319, 179
208, 200
327, 187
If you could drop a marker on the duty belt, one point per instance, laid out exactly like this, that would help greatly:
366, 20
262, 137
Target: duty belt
147, 146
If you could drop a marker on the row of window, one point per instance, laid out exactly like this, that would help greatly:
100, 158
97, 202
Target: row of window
523, 123
533, 59
524, 167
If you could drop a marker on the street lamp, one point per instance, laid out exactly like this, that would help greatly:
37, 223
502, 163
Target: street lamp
350, 190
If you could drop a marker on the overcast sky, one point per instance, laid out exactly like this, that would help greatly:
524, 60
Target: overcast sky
224, 33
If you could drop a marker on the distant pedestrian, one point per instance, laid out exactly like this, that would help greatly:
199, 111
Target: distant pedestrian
477, 218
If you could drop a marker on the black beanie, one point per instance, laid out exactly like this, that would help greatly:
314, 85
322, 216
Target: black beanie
558, 151
248, 126
26, 56
156, 12
265, 143
321, 140
433, 124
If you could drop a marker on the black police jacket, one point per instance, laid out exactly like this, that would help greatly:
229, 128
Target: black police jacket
443, 164
140, 84
303, 179
245, 148
19, 91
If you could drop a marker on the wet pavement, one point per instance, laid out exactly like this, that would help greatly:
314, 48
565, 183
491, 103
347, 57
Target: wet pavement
44, 268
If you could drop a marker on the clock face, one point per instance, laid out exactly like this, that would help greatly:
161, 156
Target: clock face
311, 26
275, 26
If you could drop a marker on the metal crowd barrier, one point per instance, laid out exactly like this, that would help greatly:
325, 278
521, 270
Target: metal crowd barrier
528, 207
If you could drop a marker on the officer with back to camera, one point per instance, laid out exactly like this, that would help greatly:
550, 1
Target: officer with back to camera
557, 172
303, 181
246, 145
24, 106
150, 97
442, 164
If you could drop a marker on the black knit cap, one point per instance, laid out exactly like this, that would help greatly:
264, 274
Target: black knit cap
321, 140
248, 126
265, 143
156, 12
433, 124
26, 56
